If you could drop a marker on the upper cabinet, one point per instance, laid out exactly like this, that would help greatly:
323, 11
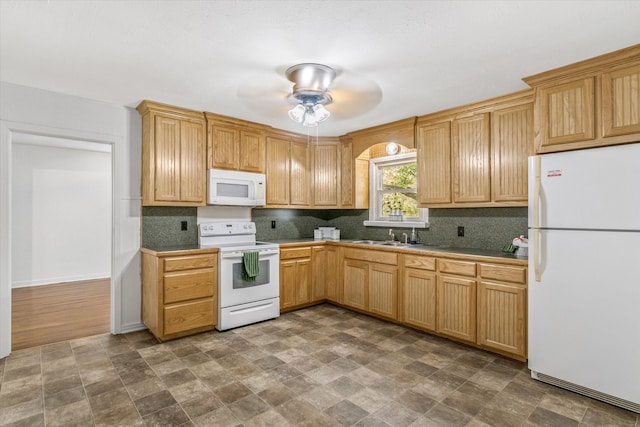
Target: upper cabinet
288, 169
476, 155
235, 144
173, 156
591, 103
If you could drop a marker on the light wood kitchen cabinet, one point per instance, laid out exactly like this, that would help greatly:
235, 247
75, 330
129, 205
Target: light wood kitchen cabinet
419, 292
295, 277
288, 171
456, 295
173, 156
502, 302
324, 267
235, 144
591, 103
370, 281
326, 173
476, 155
179, 293
347, 179
433, 163
511, 145
470, 168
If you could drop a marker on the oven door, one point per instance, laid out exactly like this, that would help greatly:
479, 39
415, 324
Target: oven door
235, 289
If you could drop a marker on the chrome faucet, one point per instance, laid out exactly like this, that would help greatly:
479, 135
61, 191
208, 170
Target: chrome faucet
405, 238
392, 236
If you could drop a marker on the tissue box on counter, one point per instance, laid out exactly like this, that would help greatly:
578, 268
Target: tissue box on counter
326, 233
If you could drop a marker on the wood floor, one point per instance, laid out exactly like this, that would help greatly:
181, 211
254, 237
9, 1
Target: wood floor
52, 313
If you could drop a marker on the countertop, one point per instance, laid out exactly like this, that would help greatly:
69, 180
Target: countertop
422, 248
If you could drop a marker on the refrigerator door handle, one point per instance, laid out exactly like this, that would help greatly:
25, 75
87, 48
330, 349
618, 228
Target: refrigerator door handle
536, 219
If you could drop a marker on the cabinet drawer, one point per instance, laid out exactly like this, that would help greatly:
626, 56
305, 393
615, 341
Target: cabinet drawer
187, 285
421, 262
463, 268
295, 253
188, 315
504, 273
372, 256
189, 262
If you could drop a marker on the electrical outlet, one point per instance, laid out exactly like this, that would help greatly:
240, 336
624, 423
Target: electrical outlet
273, 224
460, 231
183, 225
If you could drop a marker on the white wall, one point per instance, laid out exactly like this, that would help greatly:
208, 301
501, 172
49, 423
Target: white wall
61, 213
35, 111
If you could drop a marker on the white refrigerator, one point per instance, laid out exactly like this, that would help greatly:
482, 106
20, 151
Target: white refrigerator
584, 272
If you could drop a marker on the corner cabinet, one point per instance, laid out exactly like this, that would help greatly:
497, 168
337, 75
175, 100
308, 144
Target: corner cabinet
173, 156
591, 103
476, 155
288, 171
179, 292
235, 144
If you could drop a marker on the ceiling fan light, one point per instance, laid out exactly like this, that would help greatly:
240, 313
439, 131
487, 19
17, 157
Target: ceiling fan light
321, 114
310, 120
297, 113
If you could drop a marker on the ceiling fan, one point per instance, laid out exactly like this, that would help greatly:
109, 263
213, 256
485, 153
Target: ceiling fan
310, 87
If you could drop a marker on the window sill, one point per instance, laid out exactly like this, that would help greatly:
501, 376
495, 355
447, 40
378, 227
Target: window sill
397, 224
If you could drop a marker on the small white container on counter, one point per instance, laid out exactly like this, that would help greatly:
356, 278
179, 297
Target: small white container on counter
326, 233
523, 246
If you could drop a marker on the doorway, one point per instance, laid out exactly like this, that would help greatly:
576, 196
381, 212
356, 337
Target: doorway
61, 209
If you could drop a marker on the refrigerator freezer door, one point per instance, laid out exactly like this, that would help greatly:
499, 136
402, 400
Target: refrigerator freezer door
597, 188
583, 314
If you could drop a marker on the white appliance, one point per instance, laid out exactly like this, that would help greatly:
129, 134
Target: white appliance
584, 272
235, 188
326, 233
242, 301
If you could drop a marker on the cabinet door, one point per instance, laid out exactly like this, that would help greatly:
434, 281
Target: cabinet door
288, 285
470, 159
325, 171
419, 299
252, 152
621, 102
347, 175
355, 284
566, 113
434, 163
225, 146
300, 174
457, 307
332, 274
192, 163
383, 290
166, 151
511, 146
277, 171
303, 281
318, 273
501, 317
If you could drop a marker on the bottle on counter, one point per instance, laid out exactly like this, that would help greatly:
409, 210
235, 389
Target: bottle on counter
413, 240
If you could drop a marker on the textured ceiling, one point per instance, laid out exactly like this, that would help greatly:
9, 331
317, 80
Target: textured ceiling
394, 59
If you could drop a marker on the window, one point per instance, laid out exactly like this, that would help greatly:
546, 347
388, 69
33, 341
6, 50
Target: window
393, 194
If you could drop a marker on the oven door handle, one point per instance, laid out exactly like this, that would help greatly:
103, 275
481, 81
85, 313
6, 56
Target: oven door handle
239, 254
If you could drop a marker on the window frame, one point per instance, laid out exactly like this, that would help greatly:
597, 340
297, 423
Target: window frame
375, 207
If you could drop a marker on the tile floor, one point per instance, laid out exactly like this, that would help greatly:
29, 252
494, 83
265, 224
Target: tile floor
321, 366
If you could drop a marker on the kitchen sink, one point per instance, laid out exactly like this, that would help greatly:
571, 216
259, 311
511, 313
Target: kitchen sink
396, 244
365, 242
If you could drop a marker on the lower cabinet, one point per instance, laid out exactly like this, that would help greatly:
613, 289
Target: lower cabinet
483, 304
179, 293
502, 308
295, 277
419, 292
370, 281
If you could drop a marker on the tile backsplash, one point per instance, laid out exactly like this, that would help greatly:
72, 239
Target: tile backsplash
486, 228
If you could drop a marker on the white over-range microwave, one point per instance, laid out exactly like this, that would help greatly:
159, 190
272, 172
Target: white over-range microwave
235, 188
